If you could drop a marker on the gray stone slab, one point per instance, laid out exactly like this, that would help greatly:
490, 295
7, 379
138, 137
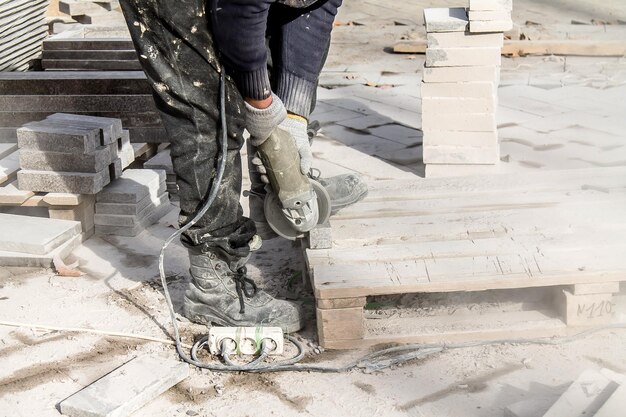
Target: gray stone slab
8, 258
126, 209
162, 160
79, 103
446, 19
63, 182
126, 389
135, 230
132, 220
111, 128
66, 161
35, 235
321, 237
92, 44
123, 55
45, 136
91, 64
74, 83
133, 186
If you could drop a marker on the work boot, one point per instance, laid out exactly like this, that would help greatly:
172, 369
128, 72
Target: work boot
344, 190
221, 293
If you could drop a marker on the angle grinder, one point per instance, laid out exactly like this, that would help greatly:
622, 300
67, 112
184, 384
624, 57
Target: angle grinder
294, 203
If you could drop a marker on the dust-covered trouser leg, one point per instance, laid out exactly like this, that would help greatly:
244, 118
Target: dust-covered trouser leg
175, 47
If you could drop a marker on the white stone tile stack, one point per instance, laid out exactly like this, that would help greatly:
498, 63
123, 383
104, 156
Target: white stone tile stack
490, 16
459, 88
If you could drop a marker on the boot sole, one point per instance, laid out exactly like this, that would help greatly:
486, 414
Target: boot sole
204, 314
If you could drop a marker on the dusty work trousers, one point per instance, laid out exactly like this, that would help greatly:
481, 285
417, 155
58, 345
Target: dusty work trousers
175, 47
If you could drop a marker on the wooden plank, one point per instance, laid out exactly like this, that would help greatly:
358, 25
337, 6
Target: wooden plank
596, 288
527, 182
474, 225
486, 203
10, 195
442, 329
341, 303
469, 273
568, 47
533, 244
340, 324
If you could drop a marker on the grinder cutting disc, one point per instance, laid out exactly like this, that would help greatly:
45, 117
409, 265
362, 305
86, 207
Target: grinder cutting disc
279, 224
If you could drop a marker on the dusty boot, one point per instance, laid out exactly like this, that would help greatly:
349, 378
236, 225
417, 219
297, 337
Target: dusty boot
344, 190
220, 293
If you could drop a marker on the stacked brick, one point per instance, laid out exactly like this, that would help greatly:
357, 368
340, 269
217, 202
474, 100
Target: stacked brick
459, 88
133, 202
74, 154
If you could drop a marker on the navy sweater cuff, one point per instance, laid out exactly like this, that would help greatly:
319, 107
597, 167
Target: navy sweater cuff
253, 84
296, 93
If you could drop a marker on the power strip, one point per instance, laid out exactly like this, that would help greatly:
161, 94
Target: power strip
245, 340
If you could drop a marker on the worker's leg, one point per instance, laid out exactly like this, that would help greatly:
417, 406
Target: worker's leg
175, 47
295, 76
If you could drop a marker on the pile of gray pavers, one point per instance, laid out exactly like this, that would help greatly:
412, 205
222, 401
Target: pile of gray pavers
163, 160
131, 203
68, 153
78, 154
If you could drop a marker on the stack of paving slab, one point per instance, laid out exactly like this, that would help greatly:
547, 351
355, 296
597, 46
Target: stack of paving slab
127, 95
35, 241
68, 153
22, 29
97, 54
163, 160
131, 203
459, 88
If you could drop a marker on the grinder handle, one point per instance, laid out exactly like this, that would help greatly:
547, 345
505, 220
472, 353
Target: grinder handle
282, 162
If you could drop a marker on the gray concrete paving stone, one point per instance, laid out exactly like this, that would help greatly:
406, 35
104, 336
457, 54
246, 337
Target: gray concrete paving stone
34, 235
126, 389
63, 182
45, 136
133, 186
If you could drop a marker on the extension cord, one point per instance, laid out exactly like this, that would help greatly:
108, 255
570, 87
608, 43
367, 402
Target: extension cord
246, 340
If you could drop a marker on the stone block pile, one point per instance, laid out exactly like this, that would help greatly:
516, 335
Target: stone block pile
163, 161
133, 202
75, 154
459, 88
22, 31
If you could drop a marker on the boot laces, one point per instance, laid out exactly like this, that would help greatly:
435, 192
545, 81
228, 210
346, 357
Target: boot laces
244, 286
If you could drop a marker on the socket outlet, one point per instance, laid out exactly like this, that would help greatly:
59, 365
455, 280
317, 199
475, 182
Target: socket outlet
246, 340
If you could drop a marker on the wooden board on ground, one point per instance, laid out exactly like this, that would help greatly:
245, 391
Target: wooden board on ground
546, 229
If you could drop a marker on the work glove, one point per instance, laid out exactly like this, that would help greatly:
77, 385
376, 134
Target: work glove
260, 127
261, 122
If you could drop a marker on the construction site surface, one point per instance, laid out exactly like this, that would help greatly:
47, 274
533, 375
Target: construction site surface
509, 230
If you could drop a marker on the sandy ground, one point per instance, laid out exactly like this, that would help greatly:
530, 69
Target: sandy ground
120, 290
